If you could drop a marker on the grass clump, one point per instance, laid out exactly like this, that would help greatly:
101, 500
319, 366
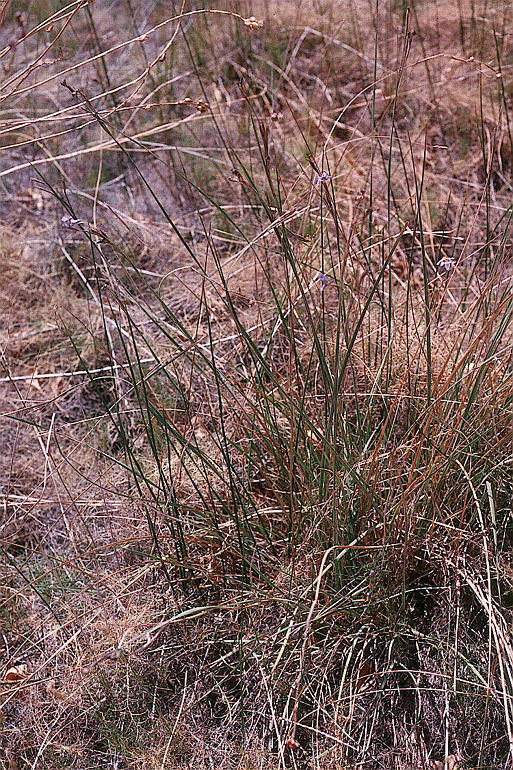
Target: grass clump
258, 480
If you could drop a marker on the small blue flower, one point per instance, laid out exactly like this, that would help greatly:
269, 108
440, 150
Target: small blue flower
322, 178
446, 262
324, 280
69, 222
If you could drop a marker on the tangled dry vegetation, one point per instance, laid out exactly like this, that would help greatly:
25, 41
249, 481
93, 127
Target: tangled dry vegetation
256, 384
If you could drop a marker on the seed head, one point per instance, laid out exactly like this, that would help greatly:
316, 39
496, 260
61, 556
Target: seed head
253, 23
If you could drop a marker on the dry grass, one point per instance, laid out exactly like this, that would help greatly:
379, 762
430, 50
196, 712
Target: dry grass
256, 481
